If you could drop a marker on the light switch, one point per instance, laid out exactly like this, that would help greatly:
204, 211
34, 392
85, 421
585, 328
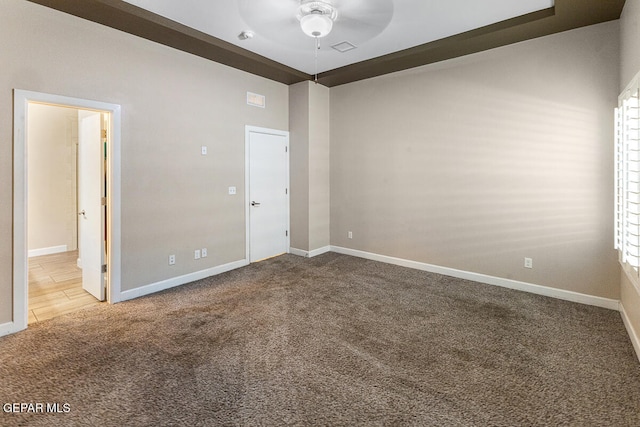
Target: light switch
203, 150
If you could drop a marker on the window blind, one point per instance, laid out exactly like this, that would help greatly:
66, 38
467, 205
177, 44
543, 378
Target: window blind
627, 176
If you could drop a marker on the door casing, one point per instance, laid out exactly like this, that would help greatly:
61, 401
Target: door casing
21, 100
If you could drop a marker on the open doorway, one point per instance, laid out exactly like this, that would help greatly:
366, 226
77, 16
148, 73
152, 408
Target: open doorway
87, 194
66, 183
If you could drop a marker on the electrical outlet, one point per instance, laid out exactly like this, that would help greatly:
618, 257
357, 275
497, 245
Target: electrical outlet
203, 150
196, 254
350, 234
203, 252
172, 260
232, 190
528, 263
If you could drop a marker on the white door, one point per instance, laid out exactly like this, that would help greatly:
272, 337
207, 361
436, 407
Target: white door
90, 210
268, 194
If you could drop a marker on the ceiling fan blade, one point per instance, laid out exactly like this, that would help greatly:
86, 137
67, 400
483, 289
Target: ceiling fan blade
357, 21
267, 7
272, 19
376, 12
356, 24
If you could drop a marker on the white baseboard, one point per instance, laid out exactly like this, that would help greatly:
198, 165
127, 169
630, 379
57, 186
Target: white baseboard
319, 251
490, 280
310, 254
47, 251
180, 280
299, 252
9, 328
633, 334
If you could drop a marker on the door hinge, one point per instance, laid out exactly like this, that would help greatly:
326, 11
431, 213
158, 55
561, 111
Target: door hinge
103, 201
286, 149
103, 133
286, 233
104, 268
286, 191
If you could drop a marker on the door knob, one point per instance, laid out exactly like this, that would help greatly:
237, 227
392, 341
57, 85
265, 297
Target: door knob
255, 204
83, 213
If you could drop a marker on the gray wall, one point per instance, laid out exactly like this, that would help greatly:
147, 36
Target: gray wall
319, 200
309, 127
52, 138
480, 161
629, 42
173, 199
299, 164
473, 163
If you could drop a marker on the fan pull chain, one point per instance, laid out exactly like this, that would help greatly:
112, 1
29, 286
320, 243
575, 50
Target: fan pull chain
316, 58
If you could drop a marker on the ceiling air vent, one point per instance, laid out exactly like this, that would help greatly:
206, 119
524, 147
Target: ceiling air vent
343, 47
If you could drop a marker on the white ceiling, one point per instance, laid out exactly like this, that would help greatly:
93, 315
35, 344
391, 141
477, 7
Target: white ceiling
376, 27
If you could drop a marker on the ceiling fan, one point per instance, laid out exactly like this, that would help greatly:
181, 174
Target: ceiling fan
293, 22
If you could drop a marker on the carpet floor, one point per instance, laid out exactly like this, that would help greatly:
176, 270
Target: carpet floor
332, 341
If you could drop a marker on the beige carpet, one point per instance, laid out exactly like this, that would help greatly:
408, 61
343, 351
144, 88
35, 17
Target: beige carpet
333, 340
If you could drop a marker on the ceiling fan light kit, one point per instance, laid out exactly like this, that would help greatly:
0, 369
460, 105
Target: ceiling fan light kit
316, 18
292, 29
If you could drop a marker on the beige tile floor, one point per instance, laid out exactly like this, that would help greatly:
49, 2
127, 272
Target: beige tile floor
55, 286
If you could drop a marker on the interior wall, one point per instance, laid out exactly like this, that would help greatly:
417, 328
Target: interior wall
52, 134
299, 164
478, 162
629, 42
174, 200
630, 66
319, 175
309, 134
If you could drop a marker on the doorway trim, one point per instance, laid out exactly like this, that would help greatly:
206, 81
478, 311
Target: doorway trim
21, 100
247, 220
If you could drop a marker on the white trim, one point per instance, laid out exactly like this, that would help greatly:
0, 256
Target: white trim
489, 280
633, 335
247, 228
247, 131
47, 251
632, 275
299, 252
181, 280
310, 254
319, 251
10, 328
20, 266
21, 99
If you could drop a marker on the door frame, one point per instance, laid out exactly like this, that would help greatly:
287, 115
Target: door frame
247, 135
21, 100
